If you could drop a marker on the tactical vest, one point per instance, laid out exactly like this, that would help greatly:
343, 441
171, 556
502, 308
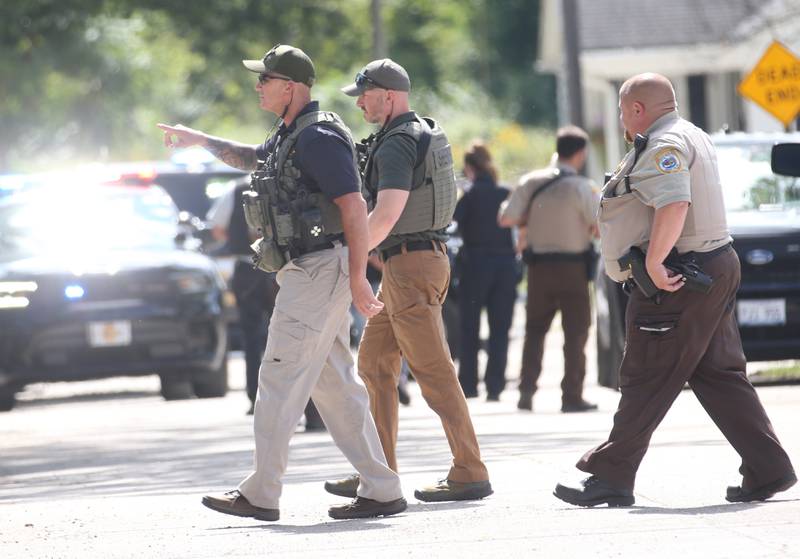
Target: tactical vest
432, 199
292, 219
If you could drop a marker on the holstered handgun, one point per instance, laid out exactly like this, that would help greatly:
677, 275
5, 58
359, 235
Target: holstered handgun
634, 261
695, 278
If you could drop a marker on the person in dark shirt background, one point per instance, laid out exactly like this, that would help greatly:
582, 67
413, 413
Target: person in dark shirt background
488, 274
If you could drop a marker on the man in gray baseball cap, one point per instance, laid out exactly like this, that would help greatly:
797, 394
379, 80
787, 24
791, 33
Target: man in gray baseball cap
383, 74
411, 196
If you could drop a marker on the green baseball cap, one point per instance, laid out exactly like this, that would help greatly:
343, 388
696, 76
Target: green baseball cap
384, 73
285, 60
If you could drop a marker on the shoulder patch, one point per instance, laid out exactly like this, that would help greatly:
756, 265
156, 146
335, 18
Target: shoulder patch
668, 161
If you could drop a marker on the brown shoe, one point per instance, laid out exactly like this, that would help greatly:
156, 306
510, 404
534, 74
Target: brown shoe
447, 490
362, 507
237, 504
346, 487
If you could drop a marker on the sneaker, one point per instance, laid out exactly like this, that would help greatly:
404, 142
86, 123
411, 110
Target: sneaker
237, 504
362, 507
346, 487
448, 490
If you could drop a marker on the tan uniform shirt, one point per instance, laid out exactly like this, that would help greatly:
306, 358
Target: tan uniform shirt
560, 218
679, 164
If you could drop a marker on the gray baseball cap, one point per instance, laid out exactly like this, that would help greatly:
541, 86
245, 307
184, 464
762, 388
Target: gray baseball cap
384, 73
285, 60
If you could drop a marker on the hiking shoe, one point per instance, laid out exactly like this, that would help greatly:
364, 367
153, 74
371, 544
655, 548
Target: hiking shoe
361, 507
346, 487
735, 494
594, 491
237, 504
448, 490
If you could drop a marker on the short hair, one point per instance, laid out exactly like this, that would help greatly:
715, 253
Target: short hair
570, 140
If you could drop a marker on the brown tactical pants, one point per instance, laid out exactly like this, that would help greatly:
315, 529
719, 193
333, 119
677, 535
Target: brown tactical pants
552, 287
413, 288
690, 337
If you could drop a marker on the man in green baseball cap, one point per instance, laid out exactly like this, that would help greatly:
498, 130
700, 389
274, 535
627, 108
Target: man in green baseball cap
315, 237
287, 61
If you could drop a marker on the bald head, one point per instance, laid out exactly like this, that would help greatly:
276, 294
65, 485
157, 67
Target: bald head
643, 99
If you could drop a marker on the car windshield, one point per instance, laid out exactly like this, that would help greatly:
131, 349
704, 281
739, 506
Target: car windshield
748, 183
85, 221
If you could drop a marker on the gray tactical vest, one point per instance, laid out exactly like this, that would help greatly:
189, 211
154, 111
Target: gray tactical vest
432, 199
287, 214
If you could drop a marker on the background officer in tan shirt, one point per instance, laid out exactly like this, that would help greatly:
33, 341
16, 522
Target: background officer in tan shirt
557, 207
666, 193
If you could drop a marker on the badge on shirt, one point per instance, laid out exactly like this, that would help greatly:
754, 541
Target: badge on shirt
668, 161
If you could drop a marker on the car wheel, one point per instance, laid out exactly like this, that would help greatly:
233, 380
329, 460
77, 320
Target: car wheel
7, 400
610, 332
176, 386
212, 383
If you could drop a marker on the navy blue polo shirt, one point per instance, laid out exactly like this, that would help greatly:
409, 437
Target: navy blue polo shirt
323, 157
476, 214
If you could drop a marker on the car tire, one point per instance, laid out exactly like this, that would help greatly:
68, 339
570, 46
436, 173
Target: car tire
176, 386
611, 345
212, 383
7, 400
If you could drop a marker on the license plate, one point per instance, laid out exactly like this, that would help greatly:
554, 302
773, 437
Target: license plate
762, 312
109, 334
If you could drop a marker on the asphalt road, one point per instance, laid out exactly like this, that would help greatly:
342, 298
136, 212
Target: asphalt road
107, 469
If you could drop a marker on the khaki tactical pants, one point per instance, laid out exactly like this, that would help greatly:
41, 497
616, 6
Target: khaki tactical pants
308, 355
413, 289
690, 337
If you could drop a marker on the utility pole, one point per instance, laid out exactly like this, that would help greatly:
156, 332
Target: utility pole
378, 38
572, 43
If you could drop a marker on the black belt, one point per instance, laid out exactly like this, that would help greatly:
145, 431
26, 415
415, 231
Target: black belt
412, 246
703, 257
296, 252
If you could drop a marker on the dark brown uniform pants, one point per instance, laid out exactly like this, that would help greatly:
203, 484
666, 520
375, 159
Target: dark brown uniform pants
552, 287
690, 337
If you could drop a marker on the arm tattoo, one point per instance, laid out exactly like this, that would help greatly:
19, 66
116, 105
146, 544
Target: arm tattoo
241, 156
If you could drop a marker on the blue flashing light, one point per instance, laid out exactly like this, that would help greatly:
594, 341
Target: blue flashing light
74, 291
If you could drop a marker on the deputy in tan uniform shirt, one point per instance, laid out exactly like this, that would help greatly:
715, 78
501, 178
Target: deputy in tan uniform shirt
666, 193
557, 206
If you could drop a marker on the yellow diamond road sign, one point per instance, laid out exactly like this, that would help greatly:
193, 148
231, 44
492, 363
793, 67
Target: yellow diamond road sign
775, 83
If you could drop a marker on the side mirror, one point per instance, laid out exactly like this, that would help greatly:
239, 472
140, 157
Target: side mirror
786, 159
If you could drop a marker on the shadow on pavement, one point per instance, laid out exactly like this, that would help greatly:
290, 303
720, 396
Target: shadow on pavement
692, 511
194, 460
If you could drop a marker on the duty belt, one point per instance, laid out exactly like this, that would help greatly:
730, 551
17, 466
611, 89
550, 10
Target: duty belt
333, 243
412, 246
703, 257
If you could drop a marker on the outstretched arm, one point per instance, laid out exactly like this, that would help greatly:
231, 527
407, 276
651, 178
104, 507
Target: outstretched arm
235, 154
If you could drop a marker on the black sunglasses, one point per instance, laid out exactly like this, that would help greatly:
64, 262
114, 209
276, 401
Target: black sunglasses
264, 78
361, 79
